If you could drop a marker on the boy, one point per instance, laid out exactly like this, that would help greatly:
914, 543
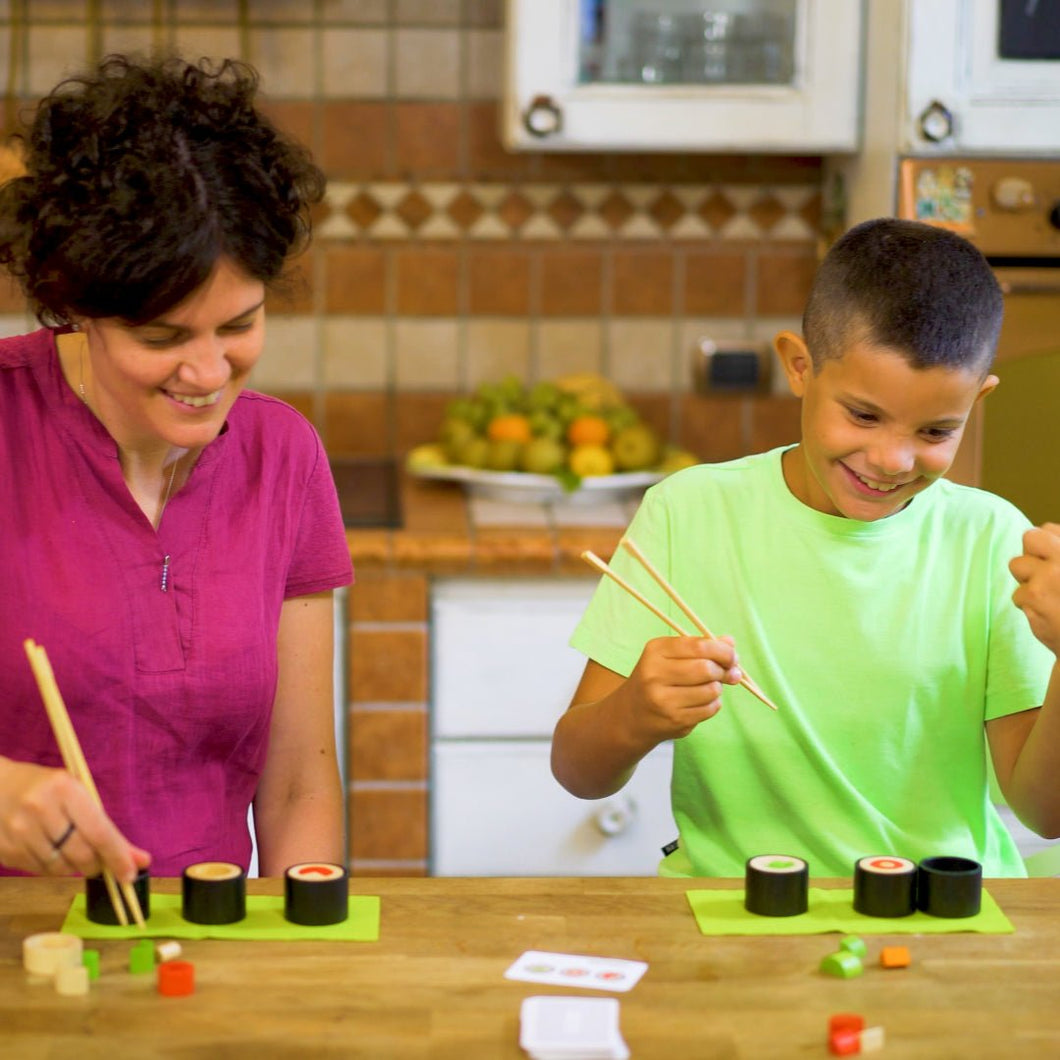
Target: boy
868, 599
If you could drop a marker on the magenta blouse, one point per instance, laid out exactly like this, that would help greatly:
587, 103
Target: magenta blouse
170, 692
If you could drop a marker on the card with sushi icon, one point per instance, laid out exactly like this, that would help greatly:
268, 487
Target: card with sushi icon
569, 969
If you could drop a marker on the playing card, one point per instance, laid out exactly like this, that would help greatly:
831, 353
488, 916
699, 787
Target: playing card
568, 969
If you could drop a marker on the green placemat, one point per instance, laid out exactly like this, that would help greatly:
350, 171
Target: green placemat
723, 913
264, 920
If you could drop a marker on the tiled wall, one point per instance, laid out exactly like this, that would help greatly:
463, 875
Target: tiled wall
441, 259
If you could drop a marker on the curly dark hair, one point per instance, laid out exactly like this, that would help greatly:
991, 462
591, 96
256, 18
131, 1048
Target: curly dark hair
141, 175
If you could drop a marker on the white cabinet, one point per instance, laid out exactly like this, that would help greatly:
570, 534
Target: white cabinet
501, 675
983, 77
670, 75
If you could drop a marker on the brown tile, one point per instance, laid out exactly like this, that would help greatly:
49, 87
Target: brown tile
12, 299
427, 139
783, 281
367, 868
293, 117
644, 283
716, 284
774, 421
766, 212
293, 293
355, 279
572, 541
656, 410
388, 745
498, 551
355, 143
571, 281
488, 158
357, 424
388, 825
498, 280
389, 598
439, 552
427, 281
418, 418
713, 427
299, 399
370, 550
388, 666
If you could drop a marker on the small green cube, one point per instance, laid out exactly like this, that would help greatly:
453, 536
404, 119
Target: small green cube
142, 957
90, 959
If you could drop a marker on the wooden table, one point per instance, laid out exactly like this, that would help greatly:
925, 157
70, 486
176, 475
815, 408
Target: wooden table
433, 985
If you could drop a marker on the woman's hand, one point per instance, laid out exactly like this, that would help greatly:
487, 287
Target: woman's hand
50, 825
1038, 574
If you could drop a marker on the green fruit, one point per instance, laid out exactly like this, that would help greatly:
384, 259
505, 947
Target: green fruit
426, 456
635, 448
619, 417
543, 456
545, 425
475, 453
543, 396
504, 455
454, 435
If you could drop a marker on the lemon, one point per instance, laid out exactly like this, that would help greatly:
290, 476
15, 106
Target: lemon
590, 459
429, 455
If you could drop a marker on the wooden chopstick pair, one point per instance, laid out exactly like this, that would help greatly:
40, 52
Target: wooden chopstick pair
77, 767
595, 561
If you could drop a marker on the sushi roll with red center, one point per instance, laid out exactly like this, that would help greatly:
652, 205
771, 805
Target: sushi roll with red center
316, 893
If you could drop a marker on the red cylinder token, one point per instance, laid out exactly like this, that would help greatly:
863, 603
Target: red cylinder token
845, 1021
176, 978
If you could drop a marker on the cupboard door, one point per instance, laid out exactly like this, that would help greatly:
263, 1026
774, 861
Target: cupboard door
642, 75
498, 811
500, 662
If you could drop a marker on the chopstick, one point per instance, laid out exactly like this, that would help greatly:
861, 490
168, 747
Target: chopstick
595, 561
76, 766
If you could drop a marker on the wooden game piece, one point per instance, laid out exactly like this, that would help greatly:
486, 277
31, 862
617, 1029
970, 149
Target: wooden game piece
214, 892
885, 886
176, 978
48, 951
776, 885
72, 980
949, 886
316, 893
895, 957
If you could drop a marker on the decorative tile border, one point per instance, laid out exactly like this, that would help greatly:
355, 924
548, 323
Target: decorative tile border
543, 212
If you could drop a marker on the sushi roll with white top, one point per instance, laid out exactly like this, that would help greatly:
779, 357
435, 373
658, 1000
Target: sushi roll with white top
214, 892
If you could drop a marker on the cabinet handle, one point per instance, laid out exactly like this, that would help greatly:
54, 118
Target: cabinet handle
936, 122
616, 816
543, 118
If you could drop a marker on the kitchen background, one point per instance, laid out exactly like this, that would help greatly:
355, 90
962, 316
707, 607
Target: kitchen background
442, 260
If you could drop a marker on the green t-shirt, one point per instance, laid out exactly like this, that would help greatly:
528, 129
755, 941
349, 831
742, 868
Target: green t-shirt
886, 646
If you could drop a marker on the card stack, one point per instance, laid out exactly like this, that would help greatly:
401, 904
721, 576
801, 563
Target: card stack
571, 1028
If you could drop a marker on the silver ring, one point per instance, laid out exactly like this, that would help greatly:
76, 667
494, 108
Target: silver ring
57, 844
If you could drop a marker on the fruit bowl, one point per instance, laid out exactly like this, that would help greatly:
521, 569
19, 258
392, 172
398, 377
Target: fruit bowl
522, 487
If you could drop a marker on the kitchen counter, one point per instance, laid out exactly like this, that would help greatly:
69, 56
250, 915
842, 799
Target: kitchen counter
433, 985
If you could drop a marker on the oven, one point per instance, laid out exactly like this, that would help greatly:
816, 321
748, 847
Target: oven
1010, 209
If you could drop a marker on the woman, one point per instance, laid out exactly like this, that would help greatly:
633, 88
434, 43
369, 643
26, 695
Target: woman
170, 538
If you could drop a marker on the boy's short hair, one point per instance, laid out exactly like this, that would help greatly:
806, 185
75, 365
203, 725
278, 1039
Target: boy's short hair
921, 291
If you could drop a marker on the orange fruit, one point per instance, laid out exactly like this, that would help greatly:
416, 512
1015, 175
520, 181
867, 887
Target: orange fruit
511, 427
588, 430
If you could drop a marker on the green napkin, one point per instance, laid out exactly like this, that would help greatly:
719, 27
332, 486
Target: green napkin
264, 920
723, 913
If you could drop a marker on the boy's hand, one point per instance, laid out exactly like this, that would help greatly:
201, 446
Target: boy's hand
1038, 574
677, 684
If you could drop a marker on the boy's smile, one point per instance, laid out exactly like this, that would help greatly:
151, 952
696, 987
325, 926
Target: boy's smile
876, 431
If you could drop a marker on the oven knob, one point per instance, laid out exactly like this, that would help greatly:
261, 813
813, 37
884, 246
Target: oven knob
1013, 194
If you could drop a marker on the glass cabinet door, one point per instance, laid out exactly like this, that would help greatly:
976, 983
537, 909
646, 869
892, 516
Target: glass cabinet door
658, 42
711, 75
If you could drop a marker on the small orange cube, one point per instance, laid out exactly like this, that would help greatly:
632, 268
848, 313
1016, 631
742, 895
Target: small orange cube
895, 957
